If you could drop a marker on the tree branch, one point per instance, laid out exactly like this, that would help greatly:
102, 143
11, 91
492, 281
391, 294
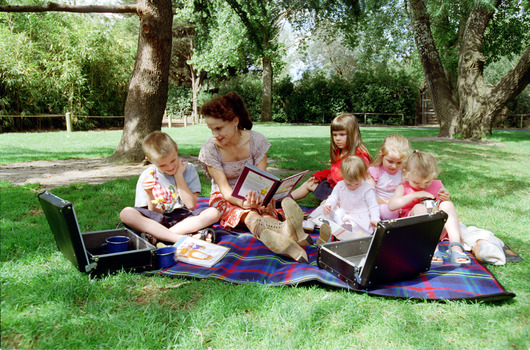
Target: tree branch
68, 8
514, 81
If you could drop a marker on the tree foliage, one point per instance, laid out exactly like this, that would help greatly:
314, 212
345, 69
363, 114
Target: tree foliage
318, 99
56, 63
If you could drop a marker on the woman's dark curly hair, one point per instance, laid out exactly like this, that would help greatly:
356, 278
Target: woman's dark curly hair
227, 107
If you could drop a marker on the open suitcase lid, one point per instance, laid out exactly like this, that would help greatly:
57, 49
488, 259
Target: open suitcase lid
402, 248
63, 223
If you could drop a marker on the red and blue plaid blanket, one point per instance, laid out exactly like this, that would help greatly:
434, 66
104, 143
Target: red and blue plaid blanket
250, 262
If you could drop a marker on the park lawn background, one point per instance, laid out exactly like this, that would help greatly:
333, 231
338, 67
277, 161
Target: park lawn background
47, 303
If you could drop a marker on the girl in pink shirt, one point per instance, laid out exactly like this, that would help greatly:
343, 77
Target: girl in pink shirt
420, 172
385, 172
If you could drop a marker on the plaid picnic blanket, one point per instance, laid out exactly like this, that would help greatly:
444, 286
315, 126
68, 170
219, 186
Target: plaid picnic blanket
250, 262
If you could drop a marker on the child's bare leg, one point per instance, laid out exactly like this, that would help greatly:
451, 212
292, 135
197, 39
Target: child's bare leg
135, 220
304, 189
452, 226
195, 223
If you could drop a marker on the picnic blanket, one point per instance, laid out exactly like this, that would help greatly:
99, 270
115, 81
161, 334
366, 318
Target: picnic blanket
250, 262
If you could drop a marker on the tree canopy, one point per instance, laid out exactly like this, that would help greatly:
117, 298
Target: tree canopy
214, 39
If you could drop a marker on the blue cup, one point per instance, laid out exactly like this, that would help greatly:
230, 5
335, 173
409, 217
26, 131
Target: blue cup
116, 244
166, 256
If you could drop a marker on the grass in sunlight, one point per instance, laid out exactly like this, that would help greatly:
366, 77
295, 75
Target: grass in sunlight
47, 304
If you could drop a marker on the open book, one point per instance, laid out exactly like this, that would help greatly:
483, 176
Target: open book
266, 185
198, 252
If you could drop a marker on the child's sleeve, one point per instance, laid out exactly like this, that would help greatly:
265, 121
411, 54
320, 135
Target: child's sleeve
192, 179
373, 206
375, 172
333, 198
364, 155
140, 199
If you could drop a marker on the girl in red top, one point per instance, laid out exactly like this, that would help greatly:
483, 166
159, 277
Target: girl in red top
420, 173
345, 141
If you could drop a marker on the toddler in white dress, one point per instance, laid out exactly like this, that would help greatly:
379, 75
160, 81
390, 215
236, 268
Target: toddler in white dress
353, 203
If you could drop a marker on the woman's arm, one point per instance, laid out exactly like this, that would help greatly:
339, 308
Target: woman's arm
224, 187
252, 200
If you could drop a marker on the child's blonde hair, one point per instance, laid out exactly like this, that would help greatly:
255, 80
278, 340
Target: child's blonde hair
353, 168
421, 164
393, 143
158, 145
349, 123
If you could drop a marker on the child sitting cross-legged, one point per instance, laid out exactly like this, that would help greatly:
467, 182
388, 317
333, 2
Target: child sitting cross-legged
420, 172
166, 194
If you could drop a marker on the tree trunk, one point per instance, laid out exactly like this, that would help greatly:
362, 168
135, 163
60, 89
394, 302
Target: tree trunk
195, 88
266, 89
445, 107
472, 91
148, 87
477, 104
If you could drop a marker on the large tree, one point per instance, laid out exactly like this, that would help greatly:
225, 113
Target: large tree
462, 101
148, 86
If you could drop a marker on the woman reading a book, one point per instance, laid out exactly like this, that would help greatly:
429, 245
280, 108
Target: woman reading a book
224, 157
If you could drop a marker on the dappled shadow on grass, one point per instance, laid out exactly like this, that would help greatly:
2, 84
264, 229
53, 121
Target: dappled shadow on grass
520, 135
45, 300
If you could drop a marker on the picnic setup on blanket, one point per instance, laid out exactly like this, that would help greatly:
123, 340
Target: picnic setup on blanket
249, 261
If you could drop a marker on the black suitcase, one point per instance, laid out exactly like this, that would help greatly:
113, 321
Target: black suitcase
399, 249
84, 249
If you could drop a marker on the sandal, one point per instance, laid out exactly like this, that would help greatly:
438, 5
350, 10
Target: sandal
437, 254
149, 238
208, 231
455, 255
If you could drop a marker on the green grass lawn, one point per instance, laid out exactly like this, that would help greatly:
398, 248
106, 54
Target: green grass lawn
47, 303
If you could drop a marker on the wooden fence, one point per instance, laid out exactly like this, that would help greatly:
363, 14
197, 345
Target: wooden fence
170, 121
69, 120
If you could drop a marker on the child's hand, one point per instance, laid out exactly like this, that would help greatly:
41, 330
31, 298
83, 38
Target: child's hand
327, 209
444, 195
182, 167
374, 223
148, 183
313, 182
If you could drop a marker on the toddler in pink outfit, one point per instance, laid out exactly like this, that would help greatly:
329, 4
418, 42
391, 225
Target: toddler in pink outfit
385, 172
